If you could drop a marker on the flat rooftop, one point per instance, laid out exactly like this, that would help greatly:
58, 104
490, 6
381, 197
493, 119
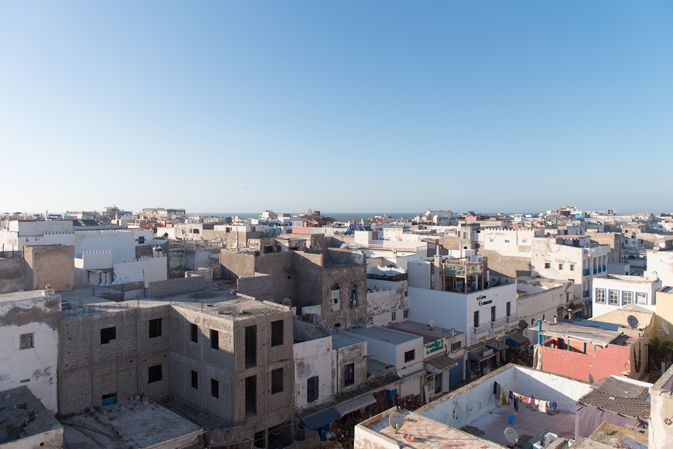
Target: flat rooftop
22, 415
237, 308
426, 433
381, 333
424, 330
20, 296
132, 423
303, 331
342, 339
594, 332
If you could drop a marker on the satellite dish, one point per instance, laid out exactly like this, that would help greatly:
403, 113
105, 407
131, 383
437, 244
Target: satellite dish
432, 324
665, 326
633, 321
591, 378
287, 302
396, 420
511, 435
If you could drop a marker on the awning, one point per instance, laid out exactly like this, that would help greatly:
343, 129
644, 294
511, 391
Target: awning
438, 364
516, 340
497, 345
346, 407
480, 354
321, 418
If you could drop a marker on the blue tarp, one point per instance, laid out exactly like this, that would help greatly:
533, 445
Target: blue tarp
320, 419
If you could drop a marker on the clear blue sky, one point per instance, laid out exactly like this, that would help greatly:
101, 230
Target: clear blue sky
338, 106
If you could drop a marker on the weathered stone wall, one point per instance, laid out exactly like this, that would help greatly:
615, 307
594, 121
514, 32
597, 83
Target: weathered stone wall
506, 266
308, 285
356, 354
236, 264
89, 369
347, 277
11, 274
282, 270
52, 265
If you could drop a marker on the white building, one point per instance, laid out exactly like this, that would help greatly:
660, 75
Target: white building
540, 299
660, 265
29, 332
613, 292
399, 349
570, 257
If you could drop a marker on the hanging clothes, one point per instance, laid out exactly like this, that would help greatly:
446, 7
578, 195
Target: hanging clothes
543, 406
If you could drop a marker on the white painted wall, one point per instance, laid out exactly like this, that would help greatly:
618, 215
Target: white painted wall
314, 358
512, 243
456, 310
37, 366
633, 284
147, 269
660, 264
91, 260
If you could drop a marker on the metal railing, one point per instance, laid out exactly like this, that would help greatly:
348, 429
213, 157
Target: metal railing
513, 319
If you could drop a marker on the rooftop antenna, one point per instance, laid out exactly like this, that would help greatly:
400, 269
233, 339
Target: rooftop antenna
665, 327
396, 421
432, 324
633, 321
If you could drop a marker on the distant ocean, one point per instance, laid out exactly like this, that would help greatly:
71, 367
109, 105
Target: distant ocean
338, 216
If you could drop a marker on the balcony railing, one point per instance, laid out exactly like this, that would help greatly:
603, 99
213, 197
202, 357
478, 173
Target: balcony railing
513, 319
595, 271
585, 272
388, 277
480, 329
500, 322
586, 293
605, 268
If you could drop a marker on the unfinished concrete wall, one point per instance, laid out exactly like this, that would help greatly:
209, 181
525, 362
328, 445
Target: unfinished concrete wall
505, 266
171, 287
91, 366
282, 270
236, 264
200, 357
32, 362
308, 285
52, 265
258, 286
11, 274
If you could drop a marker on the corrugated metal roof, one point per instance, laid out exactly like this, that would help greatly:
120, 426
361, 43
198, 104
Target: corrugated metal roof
438, 364
619, 397
355, 404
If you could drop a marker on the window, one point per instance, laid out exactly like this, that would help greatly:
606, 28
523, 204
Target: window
155, 328
154, 374
276, 333
560, 266
614, 297
250, 347
506, 241
476, 318
438, 383
251, 396
600, 296
524, 241
627, 298
641, 298
277, 381
107, 335
214, 339
544, 318
508, 308
547, 264
456, 346
336, 293
27, 341
353, 295
312, 392
492, 313
572, 267
492, 240
194, 333
195, 380
409, 356
532, 321
406, 314
110, 398
215, 388
349, 374
393, 316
